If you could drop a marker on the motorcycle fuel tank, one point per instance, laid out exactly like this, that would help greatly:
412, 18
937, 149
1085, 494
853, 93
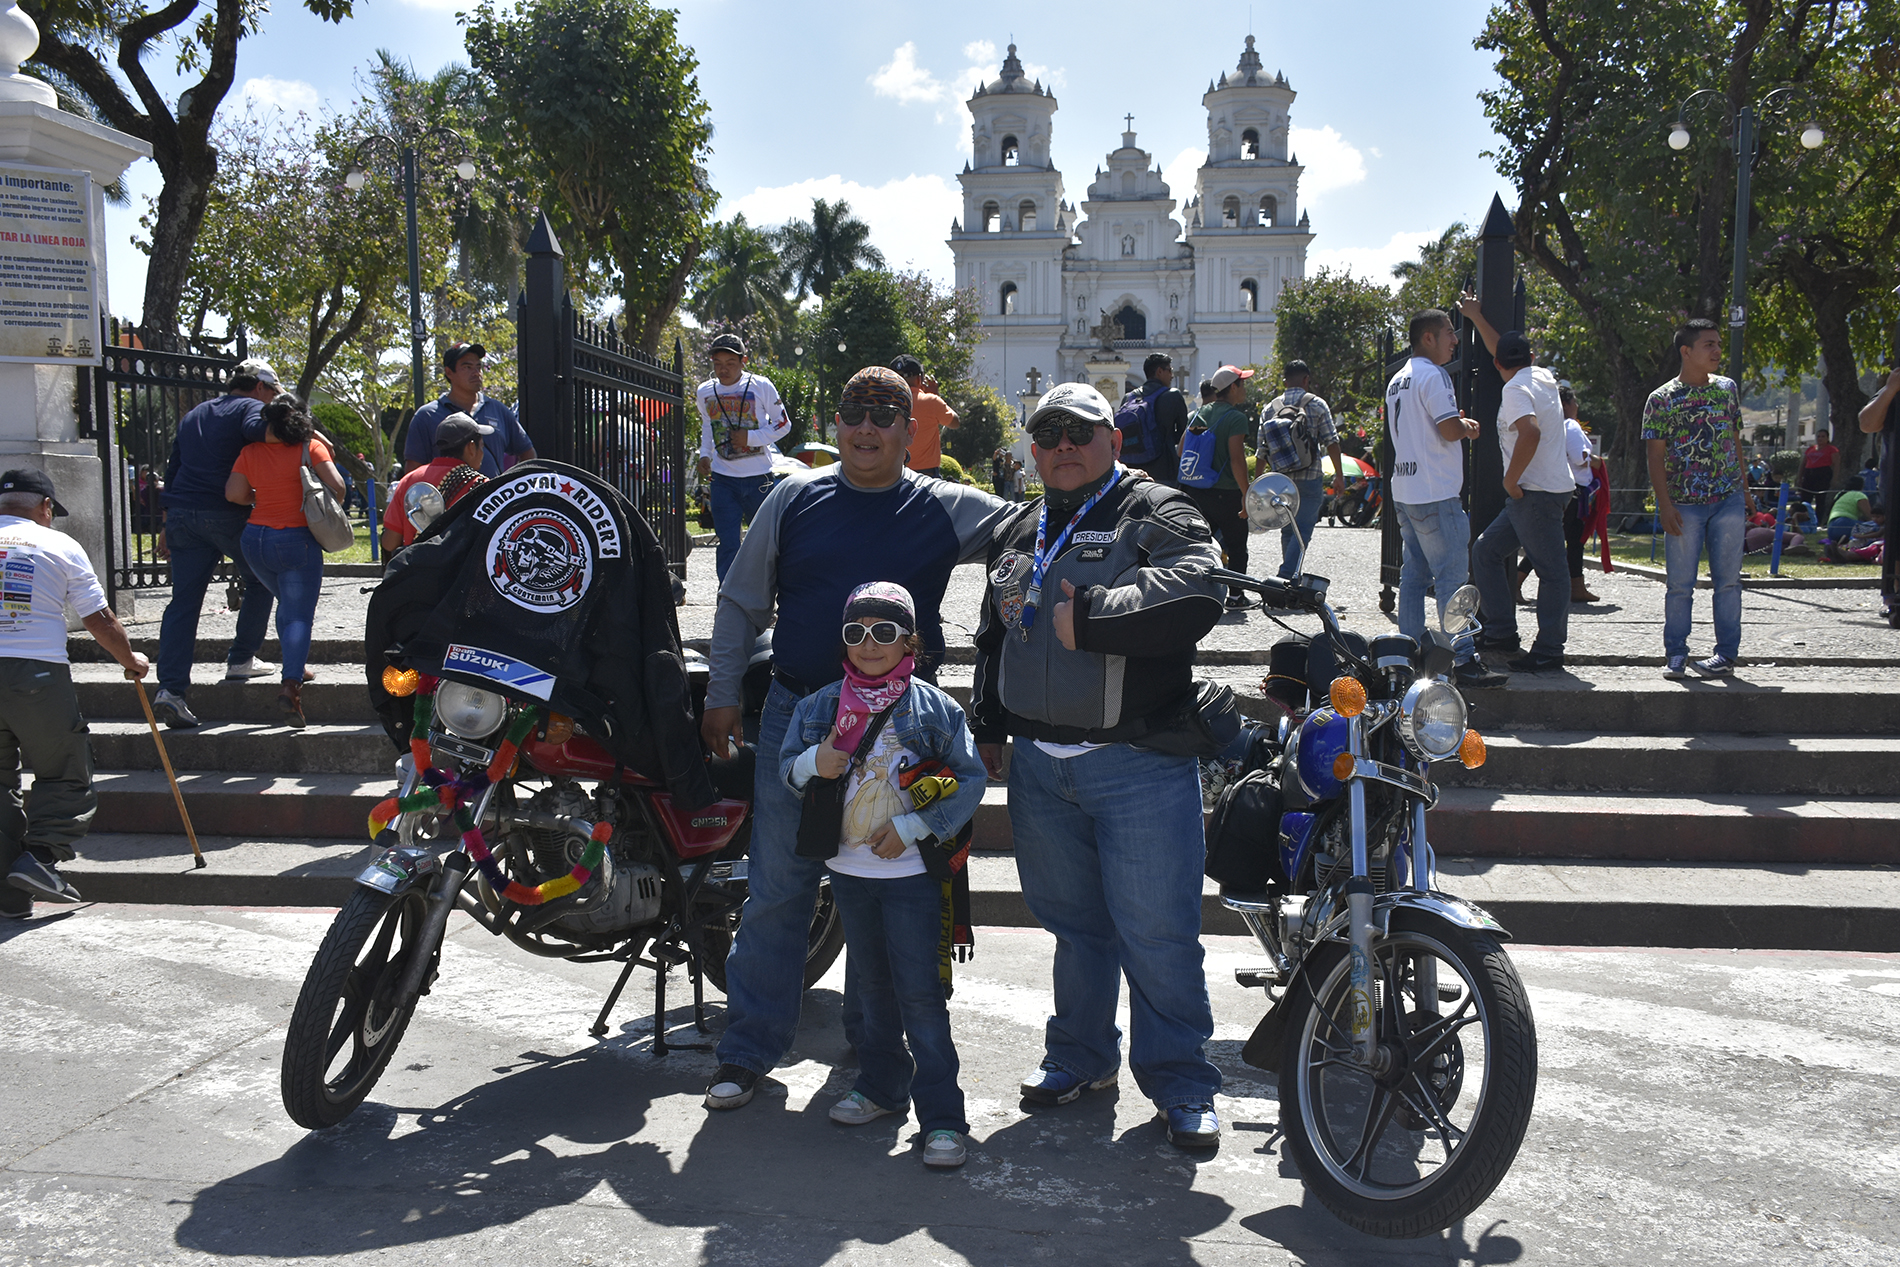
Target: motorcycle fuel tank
1322, 737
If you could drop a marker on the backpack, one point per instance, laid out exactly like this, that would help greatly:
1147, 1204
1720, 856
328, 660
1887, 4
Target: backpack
1200, 465
1135, 419
1286, 437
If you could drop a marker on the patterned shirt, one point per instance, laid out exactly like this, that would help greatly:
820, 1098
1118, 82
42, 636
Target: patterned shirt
1699, 427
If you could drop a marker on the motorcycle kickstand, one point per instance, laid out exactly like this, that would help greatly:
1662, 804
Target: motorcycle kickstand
600, 1022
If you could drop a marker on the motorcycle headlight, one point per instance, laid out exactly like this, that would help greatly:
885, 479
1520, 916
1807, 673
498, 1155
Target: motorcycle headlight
473, 713
1432, 720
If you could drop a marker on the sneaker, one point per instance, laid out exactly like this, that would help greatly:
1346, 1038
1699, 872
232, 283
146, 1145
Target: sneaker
1714, 666
1239, 602
944, 1149
1473, 674
855, 1110
1193, 1126
41, 879
1507, 645
1535, 662
1677, 668
245, 670
173, 711
1052, 1084
731, 1087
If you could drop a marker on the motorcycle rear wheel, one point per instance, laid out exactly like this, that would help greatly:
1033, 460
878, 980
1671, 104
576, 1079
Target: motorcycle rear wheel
348, 1020
1410, 1153
822, 943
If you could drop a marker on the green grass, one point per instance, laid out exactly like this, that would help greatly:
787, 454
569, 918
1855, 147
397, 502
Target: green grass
144, 544
1805, 565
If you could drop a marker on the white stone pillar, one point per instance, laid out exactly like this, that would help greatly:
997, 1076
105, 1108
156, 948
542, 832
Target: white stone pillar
39, 417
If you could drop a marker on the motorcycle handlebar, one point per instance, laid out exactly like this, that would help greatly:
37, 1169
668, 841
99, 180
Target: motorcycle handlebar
1273, 592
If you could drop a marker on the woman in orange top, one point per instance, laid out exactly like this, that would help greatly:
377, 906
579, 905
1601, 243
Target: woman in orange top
277, 542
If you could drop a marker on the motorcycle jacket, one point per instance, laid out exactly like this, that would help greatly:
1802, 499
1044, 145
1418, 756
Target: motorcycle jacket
548, 586
1138, 560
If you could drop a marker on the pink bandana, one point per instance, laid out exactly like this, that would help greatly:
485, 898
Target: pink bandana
861, 698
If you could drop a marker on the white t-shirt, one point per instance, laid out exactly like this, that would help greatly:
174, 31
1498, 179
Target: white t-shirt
1532, 392
740, 425
871, 800
1426, 467
42, 572
1577, 450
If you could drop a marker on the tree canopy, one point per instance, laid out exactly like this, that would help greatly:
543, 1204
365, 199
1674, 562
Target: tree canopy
821, 251
1332, 321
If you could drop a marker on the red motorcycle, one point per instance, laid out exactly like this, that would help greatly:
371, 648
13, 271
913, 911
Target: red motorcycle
532, 828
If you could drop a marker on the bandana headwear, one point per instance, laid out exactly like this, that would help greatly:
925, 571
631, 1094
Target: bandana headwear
873, 386
861, 698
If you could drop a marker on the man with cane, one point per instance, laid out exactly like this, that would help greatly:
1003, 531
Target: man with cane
42, 572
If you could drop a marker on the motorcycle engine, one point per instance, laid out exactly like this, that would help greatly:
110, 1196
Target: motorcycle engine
624, 893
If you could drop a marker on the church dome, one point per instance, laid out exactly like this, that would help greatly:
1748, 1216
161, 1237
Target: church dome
1249, 73
1011, 80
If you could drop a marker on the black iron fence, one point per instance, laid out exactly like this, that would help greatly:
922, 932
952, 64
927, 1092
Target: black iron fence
131, 407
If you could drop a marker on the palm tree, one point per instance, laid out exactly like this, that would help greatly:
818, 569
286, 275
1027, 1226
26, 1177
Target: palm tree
820, 251
740, 275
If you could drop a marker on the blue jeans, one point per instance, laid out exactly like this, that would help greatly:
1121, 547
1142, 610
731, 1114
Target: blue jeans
1720, 527
1312, 493
735, 500
197, 539
1110, 851
891, 934
765, 972
1535, 521
289, 562
1437, 537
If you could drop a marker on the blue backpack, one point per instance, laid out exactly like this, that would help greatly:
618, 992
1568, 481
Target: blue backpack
1200, 464
1135, 419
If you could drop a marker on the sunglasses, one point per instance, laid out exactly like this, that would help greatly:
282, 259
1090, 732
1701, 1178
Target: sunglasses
883, 417
1049, 432
883, 633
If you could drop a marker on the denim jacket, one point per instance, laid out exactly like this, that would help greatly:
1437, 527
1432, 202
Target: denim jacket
926, 721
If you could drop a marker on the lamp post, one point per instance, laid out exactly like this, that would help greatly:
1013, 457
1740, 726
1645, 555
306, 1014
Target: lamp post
830, 334
1747, 149
358, 176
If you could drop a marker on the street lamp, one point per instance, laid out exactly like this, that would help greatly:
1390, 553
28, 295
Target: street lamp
798, 350
358, 176
1747, 149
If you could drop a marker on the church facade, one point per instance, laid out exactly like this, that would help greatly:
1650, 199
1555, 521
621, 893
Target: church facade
1086, 295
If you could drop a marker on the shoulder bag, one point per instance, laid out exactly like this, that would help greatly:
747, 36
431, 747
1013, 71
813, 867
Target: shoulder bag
326, 519
821, 820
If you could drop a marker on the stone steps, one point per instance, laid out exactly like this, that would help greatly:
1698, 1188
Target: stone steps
1702, 764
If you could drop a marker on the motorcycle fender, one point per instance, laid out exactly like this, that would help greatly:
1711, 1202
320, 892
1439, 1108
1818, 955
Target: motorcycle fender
1453, 910
398, 870
1263, 1045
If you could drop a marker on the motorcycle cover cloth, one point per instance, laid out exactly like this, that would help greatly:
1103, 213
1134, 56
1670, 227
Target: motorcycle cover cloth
546, 585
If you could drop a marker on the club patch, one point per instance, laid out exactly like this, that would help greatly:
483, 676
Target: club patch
1094, 554
547, 483
1093, 538
500, 669
540, 560
1008, 568
1012, 608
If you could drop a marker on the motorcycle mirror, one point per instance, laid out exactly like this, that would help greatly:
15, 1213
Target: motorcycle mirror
1272, 502
421, 504
1462, 611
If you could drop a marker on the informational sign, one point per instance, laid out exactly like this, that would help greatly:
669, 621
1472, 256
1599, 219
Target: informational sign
49, 288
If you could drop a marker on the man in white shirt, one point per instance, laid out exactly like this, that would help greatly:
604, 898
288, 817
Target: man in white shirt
42, 572
741, 420
1428, 432
1539, 482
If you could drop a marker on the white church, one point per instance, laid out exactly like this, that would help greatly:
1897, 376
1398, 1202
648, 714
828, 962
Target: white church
1087, 297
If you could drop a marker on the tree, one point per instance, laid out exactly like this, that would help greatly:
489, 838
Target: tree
1332, 321
947, 319
823, 250
83, 43
598, 107
985, 423
740, 275
867, 309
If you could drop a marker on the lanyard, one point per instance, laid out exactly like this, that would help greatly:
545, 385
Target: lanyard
725, 415
1046, 553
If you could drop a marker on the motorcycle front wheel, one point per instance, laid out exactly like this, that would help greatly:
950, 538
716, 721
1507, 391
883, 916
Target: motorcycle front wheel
349, 1018
1412, 1147
822, 943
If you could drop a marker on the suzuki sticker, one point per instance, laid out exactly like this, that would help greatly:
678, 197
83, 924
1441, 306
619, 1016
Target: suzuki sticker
500, 669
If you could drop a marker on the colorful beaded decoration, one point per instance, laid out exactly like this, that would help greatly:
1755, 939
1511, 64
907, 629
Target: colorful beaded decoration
456, 795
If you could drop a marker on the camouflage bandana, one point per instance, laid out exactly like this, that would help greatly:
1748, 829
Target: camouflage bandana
876, 386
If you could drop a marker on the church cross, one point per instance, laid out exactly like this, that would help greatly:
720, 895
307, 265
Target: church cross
1130, 119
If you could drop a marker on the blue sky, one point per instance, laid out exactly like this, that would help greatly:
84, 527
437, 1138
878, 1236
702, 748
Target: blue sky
865, 101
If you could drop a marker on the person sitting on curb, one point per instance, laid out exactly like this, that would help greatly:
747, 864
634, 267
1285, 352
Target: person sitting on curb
40, 722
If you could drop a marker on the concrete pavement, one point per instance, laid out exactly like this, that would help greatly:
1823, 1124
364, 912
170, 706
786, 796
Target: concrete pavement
1693, 1107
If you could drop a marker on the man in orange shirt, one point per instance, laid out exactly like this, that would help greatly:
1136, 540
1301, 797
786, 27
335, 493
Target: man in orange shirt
932, 416
458, 442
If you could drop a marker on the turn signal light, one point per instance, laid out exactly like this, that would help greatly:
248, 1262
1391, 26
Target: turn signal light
1471, 750
1348, 697
400, 682
1342, 766
560, 728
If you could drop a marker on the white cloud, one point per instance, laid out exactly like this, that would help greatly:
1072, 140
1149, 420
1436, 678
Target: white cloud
288, 95
1372, 262
1329, 161
909, 217
982, 52
1180, 173
904, 79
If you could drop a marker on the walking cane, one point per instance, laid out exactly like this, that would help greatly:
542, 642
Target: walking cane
165, 757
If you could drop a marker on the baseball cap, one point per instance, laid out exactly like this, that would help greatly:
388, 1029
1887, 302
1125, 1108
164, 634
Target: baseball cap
1079, 399
26, 479
727, 342
453, 354
1514, 350
1227, 375
909, 366
257, 368
454, 432
1298, 367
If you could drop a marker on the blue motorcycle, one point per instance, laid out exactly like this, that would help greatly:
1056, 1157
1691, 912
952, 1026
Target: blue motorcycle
1399, 1031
